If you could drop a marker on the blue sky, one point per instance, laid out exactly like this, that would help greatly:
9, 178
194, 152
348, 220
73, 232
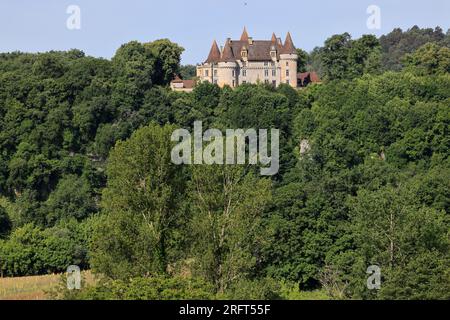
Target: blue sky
40, 25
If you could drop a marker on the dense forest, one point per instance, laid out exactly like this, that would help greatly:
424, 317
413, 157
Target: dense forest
86, 177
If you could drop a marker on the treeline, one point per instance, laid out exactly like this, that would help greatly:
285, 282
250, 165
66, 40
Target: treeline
342, 57
86, 176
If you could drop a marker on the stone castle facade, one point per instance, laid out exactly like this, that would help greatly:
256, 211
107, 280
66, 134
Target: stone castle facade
251, 61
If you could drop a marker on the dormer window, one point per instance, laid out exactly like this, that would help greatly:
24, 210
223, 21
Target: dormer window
273, 52
244, 52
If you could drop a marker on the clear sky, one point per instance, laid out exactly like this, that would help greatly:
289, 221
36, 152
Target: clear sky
40, 25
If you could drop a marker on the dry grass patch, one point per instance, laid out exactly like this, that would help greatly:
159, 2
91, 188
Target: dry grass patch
33, 287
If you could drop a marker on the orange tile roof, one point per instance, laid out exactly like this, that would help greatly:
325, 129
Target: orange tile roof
214, 53
244, 36
258, 50
307, 76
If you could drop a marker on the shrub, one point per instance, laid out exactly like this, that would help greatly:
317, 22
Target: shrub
152, 288
258, 289
31, 250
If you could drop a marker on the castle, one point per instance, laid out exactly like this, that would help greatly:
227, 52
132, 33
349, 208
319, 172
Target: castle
251, 61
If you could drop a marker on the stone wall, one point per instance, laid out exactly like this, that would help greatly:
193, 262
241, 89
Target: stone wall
236, 73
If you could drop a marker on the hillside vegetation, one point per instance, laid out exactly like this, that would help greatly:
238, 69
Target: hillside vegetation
86, 176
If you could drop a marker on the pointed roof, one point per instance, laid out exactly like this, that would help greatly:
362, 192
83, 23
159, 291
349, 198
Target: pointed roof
258, 50
274, 38
244, 36
214, 53
177, 78
227, 53
289, 45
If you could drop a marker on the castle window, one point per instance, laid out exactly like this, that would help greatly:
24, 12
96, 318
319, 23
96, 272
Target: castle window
234, 83
233, 73
266, 73
244, 82
272, 63
287, 73
215, 73
206, 73
274, 83
287, 64
274, 73
244, 73
272, 54
266, 63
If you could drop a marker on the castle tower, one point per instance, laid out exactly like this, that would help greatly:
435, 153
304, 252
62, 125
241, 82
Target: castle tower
208, 71
227, 67
288, 62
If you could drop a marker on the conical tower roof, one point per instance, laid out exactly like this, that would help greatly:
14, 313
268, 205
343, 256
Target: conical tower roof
244, 36
227, 53
274, 38
289, 47
214, 54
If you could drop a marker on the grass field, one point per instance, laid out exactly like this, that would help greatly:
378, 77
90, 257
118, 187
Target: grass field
39, 287
32, 288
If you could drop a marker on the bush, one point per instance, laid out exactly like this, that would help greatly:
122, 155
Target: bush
31, 250
153, 288
258, 289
